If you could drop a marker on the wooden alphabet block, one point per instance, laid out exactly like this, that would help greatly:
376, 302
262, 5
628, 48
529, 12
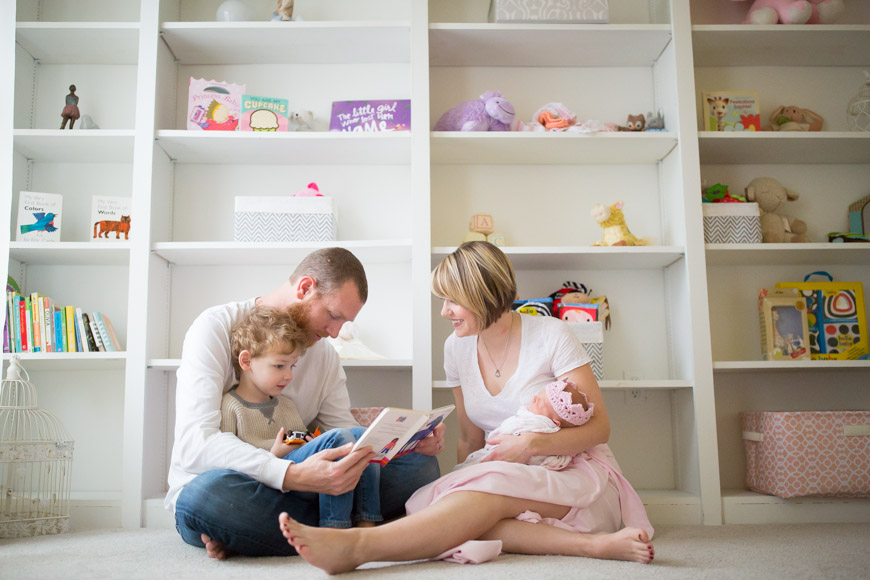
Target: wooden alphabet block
481, 222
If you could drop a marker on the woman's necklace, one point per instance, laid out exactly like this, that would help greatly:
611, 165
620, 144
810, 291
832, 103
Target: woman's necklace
504, 352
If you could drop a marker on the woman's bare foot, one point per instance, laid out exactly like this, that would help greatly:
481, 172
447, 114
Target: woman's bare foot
330, 549
214, 549
631, 544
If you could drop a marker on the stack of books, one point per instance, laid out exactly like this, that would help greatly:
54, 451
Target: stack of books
36, 324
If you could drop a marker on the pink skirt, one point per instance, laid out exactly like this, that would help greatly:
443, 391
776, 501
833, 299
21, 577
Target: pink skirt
600, 497
70, 112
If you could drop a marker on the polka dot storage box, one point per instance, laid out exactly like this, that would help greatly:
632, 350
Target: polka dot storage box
809, 453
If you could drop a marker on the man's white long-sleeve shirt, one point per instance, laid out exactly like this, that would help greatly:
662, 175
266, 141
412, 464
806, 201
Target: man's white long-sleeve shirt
318, 390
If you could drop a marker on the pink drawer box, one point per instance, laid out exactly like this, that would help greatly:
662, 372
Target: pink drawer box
812, 453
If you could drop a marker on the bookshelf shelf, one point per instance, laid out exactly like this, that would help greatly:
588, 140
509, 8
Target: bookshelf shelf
823, 147
787, 254
78, 146
172, 364
80, 42
503, 148
71, 253
287, 42
547, 45
307, 148
70, 361
246, 253
599, 258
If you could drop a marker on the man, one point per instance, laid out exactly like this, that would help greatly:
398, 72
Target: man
226, 494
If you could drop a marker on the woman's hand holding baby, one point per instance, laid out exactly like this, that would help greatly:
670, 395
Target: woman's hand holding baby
513, 448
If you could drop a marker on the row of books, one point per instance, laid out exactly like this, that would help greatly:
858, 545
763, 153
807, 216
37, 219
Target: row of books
35, 323
40, 217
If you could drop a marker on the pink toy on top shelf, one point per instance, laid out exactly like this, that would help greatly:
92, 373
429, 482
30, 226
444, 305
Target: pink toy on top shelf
492, 112
794, 11
310, 191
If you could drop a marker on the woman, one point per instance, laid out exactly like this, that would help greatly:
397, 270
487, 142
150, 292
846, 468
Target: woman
496, 360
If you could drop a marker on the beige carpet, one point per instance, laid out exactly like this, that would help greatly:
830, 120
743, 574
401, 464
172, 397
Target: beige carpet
817, 551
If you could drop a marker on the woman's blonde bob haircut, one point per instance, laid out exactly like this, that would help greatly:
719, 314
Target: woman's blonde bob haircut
479, 277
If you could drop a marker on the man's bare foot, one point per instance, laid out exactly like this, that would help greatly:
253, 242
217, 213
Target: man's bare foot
330, 549
631, 544
364, 524
214, 549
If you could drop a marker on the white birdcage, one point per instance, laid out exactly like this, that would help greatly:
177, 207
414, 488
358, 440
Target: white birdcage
35, 462
858, 109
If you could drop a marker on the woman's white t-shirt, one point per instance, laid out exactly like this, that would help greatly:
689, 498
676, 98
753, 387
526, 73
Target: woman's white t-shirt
548, 349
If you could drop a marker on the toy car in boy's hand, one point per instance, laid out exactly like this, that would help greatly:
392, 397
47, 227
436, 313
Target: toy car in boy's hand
300, 437
297, 437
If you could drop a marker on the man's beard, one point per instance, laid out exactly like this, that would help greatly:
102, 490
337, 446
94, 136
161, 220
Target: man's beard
301, 314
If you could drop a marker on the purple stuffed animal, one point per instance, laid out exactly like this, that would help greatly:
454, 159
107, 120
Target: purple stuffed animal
492, 112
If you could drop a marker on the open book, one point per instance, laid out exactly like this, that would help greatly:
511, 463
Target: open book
396, 432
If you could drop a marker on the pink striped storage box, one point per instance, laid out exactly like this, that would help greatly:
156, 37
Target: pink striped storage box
813, 453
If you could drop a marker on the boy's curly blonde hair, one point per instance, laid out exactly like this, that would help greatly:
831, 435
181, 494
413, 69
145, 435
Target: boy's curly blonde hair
265, 330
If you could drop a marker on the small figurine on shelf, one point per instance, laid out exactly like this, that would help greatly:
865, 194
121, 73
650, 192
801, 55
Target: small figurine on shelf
284, 11
71, 109
634, 123
301, 121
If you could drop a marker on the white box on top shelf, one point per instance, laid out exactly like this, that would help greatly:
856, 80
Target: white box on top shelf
556, 11
284, 219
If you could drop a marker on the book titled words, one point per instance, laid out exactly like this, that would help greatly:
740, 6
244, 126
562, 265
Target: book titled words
38, 217
370, 116
110, 218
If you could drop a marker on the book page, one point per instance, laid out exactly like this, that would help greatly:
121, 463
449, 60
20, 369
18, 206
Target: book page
398, 431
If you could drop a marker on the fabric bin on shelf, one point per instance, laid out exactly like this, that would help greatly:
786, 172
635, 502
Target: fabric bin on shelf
591, 334
284, 219
556, 11
732, 223
807, 453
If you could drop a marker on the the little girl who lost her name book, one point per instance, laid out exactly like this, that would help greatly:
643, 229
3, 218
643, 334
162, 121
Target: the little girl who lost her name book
38, 217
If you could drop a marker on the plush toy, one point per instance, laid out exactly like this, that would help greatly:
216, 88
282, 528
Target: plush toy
775, 228
616, 233
300, 121
311, 190
492, 112
794, 11
655, 122
793, 118
634, 123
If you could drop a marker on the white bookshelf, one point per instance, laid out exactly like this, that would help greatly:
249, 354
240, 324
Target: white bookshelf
822, 68
681, 359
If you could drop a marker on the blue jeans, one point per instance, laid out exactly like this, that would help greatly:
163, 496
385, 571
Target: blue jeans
242, 513
361, 503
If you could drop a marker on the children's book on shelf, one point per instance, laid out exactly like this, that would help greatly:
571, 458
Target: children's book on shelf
38, 217
265, 114
110, 217
105, 335
731, 111
371, 116
213, 105
95, 333
396, 432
